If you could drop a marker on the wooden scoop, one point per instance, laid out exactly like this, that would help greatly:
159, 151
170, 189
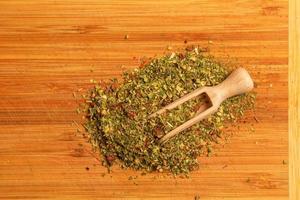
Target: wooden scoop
238, 82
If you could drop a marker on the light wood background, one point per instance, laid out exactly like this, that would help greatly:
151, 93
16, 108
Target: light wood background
47, 49
294, 99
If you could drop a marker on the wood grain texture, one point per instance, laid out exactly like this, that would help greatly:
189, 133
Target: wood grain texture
294, 98
47, 49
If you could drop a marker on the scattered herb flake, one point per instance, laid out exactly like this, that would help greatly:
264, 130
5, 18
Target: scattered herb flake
117, 113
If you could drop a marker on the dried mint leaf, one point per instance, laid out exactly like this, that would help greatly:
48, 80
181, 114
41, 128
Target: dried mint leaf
117, 113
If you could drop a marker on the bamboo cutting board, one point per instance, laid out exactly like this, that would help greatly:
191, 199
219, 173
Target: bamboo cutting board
47, 51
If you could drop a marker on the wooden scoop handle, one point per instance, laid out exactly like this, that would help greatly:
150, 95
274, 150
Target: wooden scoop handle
238, 82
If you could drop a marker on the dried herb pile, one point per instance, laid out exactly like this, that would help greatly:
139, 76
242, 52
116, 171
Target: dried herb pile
117, 113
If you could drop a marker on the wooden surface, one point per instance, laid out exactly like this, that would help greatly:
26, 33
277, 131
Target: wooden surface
294, 98
47, 49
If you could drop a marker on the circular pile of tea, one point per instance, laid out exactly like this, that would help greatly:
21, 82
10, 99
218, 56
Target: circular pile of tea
118, 122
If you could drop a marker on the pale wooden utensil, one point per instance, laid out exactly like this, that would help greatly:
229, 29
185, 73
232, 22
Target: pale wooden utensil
238, 82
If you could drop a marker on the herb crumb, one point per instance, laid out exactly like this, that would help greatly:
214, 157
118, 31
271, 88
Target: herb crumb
284, 162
